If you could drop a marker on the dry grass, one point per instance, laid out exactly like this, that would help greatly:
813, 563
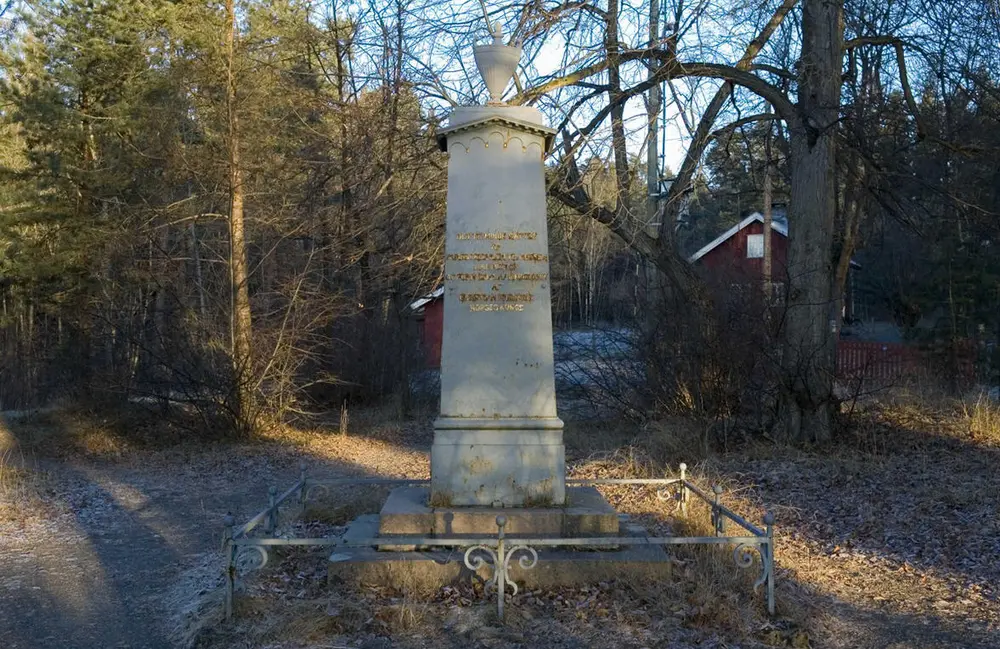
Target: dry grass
269, 613
708, 591
406, 607
660, 444
984, 421
22, 489
349, 504
295, 622
74, 432
897, 520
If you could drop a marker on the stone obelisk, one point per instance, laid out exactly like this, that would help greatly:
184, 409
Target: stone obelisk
498, 440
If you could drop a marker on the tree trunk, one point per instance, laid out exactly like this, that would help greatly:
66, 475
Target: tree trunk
198, 279
619, 143
811, 321
243, 410
652, 132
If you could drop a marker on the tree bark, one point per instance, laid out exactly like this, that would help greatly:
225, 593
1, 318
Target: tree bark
653, 112
811, 320
240, 323
618, 140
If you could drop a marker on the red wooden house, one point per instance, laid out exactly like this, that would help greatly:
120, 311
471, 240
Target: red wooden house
429, 311
733, 264
734, 261
737, 255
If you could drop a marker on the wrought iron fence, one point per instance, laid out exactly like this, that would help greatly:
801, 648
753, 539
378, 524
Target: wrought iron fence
496, 552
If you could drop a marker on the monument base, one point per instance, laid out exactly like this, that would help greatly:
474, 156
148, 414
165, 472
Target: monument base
556, 568
498, 462
408, 511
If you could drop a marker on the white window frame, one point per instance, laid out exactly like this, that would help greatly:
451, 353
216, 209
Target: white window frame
755, 244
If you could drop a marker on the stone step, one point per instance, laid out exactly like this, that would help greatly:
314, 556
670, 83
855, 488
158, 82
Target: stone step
407, 512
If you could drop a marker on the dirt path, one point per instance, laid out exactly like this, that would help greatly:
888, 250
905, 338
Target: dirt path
112, 551
114, 547
95, 571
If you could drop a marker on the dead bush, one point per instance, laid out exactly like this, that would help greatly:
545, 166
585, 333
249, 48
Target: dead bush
984, 420
716, 361
21, 488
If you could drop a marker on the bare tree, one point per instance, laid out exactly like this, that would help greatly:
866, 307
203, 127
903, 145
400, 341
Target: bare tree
811, 322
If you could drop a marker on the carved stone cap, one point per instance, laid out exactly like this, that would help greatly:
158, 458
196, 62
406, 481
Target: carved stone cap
511, 122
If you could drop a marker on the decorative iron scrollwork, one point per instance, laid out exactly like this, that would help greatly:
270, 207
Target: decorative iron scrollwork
251, 557
743, 558
766, 566
479, 556
672, 493
527, 561
743, 555
314, 490
475, 562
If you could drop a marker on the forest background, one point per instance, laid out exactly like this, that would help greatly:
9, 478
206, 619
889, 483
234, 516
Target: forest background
224, 210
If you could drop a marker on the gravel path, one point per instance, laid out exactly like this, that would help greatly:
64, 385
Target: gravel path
113, 553
91, 575
95, 570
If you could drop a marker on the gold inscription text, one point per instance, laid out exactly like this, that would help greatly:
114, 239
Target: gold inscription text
496, 236
496, 256
496, 297
497, 277
478, 308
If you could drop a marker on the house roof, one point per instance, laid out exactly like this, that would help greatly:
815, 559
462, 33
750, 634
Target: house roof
779, 223
419, 304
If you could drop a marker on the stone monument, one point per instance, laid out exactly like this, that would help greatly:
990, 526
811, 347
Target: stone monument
498, 440
498, 451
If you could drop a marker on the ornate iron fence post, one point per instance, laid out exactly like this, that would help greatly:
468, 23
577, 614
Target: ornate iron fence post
272, 510
684, 489
479, 556
501, 565
769, 559
229, 552
718, 520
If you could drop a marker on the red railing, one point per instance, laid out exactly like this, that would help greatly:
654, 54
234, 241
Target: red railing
895, 361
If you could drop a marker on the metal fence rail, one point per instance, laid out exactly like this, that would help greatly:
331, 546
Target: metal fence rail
496, 551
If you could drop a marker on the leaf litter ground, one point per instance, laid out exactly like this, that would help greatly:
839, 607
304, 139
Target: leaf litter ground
887, 538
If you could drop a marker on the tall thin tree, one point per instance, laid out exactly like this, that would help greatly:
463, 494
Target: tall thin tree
240, 322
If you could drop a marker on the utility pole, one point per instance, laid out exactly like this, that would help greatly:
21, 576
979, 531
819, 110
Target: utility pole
766, 261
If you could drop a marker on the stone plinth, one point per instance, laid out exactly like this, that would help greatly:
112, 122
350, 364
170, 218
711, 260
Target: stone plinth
407, 511
498, 440
556, 568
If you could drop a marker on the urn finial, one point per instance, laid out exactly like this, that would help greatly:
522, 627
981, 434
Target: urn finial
497, 63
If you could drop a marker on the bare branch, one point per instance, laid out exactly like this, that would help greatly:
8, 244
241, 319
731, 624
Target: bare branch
703, 133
